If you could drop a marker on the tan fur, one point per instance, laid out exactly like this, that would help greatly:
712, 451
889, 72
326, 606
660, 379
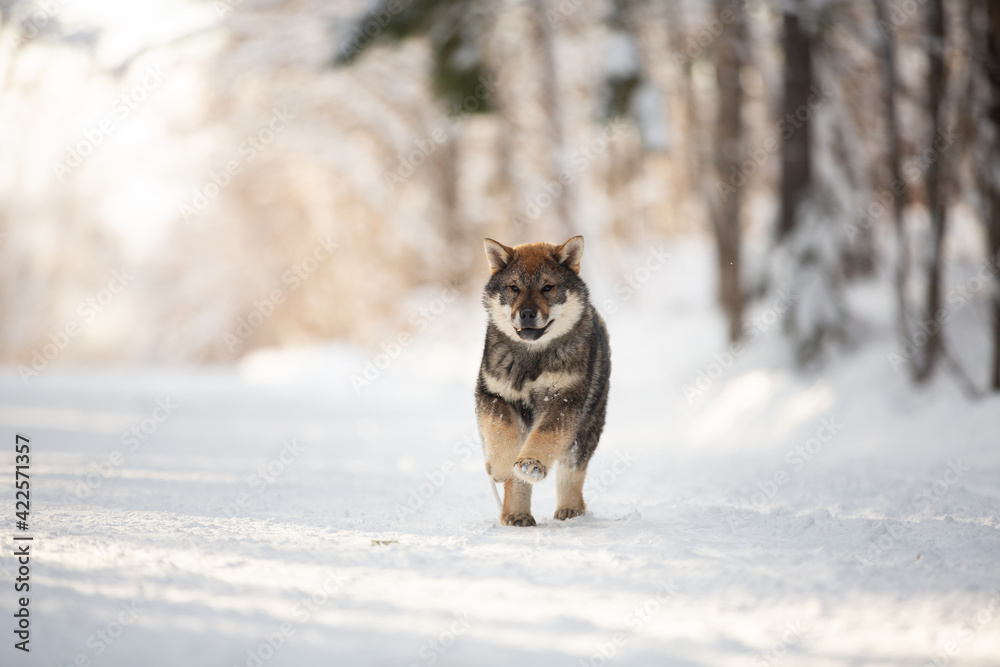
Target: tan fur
570, 253
569, 490
502, 438
516, 504
541, 326
497, 254
533, 255
528, 300
543, 447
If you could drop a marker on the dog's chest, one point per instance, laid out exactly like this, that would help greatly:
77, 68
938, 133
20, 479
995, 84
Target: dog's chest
547, 386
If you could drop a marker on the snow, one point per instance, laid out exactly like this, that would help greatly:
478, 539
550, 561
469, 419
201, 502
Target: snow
833, 517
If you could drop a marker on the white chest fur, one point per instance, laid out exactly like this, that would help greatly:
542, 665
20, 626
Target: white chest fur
548, 385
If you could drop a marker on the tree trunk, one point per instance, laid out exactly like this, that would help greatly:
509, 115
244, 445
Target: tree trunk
989, 176
693, 141
796, 158
729, 58
550, 103
935, 187
895, 162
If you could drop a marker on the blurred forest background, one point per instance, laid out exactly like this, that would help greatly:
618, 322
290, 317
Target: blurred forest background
342, 155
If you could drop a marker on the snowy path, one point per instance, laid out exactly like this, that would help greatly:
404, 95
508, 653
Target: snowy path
880, 549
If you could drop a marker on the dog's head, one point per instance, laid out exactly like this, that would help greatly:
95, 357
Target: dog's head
535, 294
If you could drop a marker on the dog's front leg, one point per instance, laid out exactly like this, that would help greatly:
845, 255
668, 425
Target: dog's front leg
516, 503
500, 429
551, 437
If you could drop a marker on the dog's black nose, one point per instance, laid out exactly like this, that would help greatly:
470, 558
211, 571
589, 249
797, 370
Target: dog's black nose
528, 315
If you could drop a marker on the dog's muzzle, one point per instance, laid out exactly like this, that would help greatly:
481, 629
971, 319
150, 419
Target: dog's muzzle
533, 334
528, 324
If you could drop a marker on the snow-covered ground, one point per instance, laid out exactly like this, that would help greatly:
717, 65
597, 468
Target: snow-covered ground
275, 516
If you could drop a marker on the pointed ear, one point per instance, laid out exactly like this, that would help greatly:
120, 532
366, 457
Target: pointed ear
570, 253
498, 254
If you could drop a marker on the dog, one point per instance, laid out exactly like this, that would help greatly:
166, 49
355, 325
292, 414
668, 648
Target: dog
542, 390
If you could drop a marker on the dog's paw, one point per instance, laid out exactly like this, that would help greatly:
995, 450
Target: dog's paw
564, 513
520, 519
529, 470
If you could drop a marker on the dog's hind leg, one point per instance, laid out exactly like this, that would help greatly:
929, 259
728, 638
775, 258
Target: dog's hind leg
573, 462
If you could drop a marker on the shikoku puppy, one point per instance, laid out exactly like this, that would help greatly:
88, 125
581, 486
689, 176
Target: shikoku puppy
543, 382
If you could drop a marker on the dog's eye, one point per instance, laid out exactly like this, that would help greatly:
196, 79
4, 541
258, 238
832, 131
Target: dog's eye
514, 289
546, 288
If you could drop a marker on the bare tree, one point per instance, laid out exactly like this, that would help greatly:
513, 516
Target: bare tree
895, 163
696, 140
819, 180
986, 35
935, 185
550, 102
724, 208
796, 151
